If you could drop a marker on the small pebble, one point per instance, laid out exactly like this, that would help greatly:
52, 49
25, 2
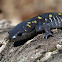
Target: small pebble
58, 46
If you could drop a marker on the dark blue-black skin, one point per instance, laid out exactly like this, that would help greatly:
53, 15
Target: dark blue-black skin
35, 25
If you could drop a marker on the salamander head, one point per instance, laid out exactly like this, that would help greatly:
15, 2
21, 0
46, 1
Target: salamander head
17, 37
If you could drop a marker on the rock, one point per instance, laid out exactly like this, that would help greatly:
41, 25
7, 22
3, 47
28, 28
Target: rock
5, 24
46, 57
58, 46
34, 50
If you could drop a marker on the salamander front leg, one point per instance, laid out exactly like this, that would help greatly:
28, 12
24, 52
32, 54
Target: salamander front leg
47, 32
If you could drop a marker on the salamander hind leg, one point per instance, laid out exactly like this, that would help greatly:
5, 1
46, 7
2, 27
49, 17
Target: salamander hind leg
47, 32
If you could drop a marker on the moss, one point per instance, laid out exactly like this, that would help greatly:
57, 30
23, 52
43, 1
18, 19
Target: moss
54, 49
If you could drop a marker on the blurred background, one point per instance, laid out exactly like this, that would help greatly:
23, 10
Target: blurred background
17, 11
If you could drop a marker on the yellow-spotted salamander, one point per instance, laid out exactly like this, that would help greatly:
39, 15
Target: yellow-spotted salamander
35, 25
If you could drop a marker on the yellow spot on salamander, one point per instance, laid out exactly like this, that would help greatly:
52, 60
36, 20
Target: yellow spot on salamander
35, 21
59, 13
29, 22
50, 15
39, 17
28, 25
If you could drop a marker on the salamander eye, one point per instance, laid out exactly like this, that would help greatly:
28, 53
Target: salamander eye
19, 34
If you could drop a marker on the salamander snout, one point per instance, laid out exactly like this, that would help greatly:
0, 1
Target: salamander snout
15, 37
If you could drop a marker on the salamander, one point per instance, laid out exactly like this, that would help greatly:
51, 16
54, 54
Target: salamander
28, 28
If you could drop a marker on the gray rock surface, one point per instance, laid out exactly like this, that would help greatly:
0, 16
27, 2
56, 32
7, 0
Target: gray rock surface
34, 50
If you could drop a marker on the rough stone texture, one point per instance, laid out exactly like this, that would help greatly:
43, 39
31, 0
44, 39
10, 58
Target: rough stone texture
34, 50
